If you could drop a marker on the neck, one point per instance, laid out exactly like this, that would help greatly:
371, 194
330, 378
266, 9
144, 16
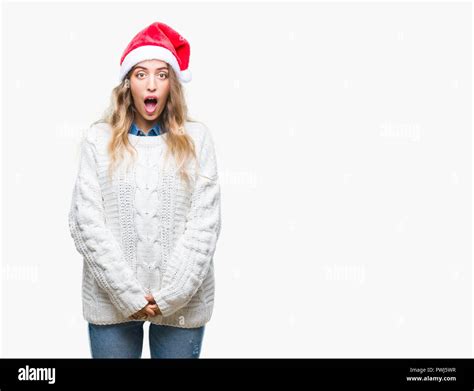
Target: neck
145, 125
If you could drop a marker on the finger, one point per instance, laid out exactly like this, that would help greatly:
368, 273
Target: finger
150, 312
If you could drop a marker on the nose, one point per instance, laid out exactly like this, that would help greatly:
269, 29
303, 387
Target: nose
151, 84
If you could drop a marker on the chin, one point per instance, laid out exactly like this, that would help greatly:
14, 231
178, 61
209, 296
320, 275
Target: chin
150, 117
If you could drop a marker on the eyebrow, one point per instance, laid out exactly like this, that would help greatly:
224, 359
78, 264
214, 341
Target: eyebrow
139, 66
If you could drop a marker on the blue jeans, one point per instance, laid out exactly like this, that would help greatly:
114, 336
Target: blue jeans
125, 340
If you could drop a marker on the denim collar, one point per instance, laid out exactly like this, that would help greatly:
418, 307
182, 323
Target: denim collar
154, 131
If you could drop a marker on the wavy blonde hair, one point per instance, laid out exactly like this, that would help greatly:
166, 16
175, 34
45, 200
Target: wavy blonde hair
120, 115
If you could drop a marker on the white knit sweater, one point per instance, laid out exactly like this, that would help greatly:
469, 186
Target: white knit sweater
145, 232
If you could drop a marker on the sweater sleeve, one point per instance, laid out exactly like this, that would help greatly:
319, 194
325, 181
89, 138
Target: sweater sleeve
191, 257
95, 241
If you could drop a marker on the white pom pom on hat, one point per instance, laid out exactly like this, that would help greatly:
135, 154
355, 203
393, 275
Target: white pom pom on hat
158, 41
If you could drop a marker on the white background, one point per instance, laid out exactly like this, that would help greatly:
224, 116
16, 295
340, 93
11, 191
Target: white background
343, 135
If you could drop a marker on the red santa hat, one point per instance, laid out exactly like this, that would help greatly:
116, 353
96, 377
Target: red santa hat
158, 41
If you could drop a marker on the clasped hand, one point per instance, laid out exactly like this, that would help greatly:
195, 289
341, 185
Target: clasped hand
151, 309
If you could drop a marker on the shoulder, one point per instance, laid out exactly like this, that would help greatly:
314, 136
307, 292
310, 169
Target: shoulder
205, 149
97, 133
200, 134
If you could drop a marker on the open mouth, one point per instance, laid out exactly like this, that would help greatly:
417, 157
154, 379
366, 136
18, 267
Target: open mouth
150, 105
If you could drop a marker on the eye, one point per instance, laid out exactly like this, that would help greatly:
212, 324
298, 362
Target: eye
140, 74
163, 75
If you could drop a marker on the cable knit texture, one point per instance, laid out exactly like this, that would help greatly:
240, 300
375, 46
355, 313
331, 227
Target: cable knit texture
145, 231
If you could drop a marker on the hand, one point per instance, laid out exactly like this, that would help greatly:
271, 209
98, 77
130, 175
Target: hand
151, 309
153, 305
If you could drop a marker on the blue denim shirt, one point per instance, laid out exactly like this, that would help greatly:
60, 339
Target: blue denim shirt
154, 131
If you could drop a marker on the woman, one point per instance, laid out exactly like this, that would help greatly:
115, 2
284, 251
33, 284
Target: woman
147, 229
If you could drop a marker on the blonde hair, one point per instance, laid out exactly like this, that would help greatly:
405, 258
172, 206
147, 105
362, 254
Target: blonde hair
120, 116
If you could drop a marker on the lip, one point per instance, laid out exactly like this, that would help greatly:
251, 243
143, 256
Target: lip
150, 97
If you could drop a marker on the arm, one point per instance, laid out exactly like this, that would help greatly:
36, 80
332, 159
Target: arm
191, 257
95, 241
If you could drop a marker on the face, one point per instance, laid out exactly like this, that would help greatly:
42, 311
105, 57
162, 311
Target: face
150, 87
